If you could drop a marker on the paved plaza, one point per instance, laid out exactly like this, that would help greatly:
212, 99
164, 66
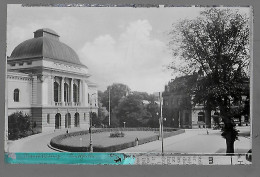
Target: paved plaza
192, 141
196, 141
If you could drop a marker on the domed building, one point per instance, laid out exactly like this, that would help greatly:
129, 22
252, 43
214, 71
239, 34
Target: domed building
46, 80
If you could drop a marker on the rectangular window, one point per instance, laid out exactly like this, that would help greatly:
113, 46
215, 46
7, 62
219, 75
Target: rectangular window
20, 64
29, 63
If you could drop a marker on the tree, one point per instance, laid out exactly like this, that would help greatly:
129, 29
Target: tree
217, 45
102, 112
131, 110
153, 108
19, 125
96, 122
117, 92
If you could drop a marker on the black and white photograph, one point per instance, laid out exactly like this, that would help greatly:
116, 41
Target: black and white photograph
129, 79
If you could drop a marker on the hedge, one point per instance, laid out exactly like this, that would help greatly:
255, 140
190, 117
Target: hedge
56, 141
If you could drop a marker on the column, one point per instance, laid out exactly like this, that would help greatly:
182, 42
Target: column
62, 120
72, 114
34, 90
62, 91
71, 91
80, 92
52, 90
83, 93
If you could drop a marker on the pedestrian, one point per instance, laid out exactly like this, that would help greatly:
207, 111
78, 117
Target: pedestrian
136, 141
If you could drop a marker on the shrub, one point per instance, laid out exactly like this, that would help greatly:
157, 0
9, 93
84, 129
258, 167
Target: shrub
117, 134
19, 126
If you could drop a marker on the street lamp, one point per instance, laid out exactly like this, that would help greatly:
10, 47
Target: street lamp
109, 118
124, 124
161, 118
159, 124
244, 105
90, 125
179, 111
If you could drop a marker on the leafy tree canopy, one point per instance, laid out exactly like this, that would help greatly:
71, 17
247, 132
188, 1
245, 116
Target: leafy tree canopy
217, 44
117, 92
131, 110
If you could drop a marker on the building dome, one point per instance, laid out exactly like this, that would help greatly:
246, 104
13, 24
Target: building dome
45, 44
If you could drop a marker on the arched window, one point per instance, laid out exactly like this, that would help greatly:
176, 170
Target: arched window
76, 120
75, 93
66, 92
56, 92
16, 95
48, 118
58, 121
201, 116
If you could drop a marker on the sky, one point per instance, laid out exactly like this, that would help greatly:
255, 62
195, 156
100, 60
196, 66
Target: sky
118, 44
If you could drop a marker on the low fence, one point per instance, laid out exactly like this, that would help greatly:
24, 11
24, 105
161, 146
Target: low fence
56, 141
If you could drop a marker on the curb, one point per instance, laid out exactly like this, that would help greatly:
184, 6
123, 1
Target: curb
55, 149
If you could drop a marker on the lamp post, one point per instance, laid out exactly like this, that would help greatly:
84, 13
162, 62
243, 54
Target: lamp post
244, 100
90, 134
179, 111
159, 124
90, 125
179, 119
124, 124
161, 119
109, 118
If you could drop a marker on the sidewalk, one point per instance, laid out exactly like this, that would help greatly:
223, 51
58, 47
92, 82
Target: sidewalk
194, 141
36, 143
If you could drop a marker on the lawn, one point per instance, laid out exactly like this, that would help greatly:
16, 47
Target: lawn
103, 139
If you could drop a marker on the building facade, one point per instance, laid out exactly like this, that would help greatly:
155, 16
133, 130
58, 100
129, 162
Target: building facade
180, 112
46, 80
177, 104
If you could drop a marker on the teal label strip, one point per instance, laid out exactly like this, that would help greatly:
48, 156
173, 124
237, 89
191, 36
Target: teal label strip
70, 158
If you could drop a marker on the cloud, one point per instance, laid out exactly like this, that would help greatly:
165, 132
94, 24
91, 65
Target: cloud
134, 58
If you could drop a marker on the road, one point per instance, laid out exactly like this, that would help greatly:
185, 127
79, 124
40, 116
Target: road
36, 143
192, 141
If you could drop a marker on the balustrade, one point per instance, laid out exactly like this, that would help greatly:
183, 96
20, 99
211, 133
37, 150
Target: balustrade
67, 104
76, 103
58, 103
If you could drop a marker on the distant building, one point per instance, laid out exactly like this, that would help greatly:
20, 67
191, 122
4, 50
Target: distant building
181, 113
177, 107
46, 79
